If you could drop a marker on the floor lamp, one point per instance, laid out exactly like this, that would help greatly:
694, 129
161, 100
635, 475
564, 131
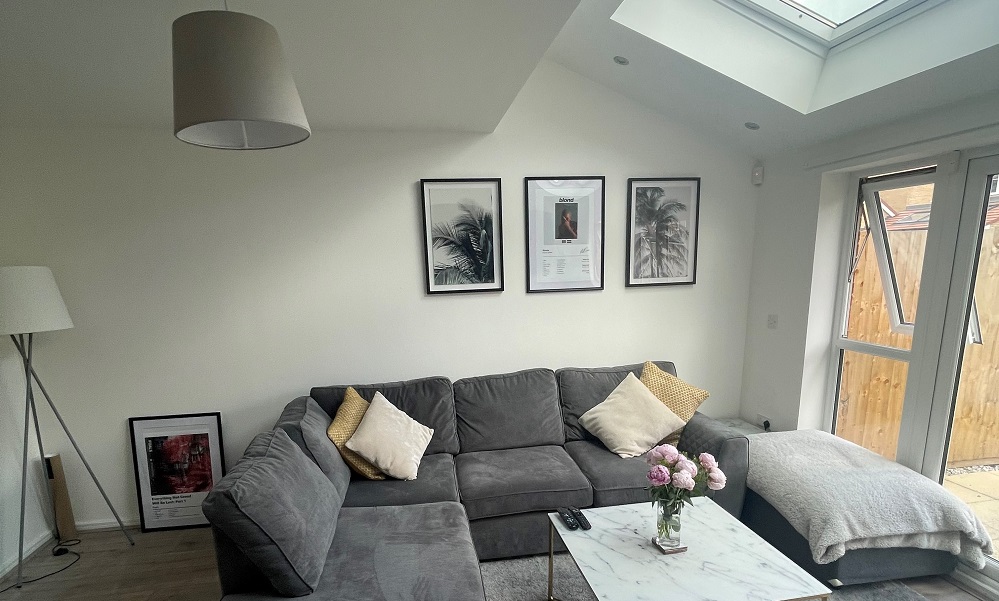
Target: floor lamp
30, 303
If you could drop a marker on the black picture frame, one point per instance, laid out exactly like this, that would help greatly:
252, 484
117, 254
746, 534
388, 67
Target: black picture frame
550, 269
177, 505
447, 194
677, 267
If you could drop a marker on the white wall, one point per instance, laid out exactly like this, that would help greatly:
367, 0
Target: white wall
797, 250
204, 280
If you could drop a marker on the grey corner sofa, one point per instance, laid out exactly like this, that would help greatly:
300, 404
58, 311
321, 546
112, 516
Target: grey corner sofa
506, 450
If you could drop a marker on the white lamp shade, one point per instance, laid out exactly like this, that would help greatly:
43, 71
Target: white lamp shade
30, 301
231, 86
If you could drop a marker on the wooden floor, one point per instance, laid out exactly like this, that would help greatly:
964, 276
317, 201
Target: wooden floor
176, 565
179, 565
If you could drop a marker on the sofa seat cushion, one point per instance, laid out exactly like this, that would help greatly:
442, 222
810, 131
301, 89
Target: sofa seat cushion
509, 481
418, 552
615, 481
434, 482
404, 552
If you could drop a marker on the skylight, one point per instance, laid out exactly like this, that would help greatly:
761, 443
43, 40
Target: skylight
832, 22
833, 12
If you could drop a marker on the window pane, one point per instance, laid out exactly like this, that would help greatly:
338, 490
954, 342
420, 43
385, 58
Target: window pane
907, 216
869, 407
867, 313
974, 443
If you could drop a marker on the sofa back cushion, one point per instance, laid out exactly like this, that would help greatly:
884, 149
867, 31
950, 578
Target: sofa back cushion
429, 401
280, 510
306, 423
582, 388
508, 411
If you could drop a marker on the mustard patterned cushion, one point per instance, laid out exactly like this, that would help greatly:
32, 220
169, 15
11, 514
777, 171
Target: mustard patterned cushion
344, 424
681, 398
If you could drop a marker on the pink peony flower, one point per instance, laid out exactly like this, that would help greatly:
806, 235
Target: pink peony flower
659, 475
716, 479
662, 453
686, 465
670, 454
683, 480
708, 461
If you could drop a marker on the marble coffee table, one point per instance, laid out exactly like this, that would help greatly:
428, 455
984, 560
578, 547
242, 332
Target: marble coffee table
725, 560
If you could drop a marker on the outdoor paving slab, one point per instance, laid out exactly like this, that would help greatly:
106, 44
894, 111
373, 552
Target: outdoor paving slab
986, 483
964, 493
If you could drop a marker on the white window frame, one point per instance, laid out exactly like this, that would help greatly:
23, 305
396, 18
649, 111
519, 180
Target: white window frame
869, 191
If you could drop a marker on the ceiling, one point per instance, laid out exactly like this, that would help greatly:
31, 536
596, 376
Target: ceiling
673, 84
358, 64
420, 65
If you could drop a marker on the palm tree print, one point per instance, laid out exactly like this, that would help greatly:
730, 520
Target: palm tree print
659, 240
468, 243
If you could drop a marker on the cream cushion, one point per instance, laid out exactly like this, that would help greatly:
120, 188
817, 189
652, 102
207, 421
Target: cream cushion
631, 420
390, 439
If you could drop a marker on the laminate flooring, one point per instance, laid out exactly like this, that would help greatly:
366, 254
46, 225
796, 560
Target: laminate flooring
179, 565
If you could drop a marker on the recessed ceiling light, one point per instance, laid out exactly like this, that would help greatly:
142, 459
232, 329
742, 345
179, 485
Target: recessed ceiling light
752, 126
621, 60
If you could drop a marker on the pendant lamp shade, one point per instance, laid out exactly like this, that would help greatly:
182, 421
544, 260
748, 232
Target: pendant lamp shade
30, 301
231, 85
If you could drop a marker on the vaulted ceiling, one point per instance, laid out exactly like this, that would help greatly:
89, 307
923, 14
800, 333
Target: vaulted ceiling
429, 65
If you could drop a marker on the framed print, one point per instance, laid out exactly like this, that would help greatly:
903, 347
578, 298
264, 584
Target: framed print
565, 233
177, 460
463, 235
662, 231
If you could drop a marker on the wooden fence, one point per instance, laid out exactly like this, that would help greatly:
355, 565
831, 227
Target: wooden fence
873, 389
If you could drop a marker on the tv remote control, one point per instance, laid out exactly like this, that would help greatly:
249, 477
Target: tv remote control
580, 518
567, 518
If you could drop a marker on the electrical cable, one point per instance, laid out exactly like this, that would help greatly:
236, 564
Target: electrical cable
61, 545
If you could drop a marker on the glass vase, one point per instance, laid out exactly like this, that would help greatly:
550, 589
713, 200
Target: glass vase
668, 525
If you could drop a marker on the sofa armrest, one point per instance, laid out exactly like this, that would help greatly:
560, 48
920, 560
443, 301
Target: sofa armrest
705, 435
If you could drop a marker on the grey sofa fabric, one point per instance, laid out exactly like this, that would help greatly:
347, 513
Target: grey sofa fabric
280, 509
582, 388
434, 482
705, 435
429, 401
306, 424
516, 535
507, 411
512, 481
858, 566
615, 481
412, 552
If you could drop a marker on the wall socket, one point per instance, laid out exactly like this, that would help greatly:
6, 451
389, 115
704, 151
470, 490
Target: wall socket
772, 321
760, 419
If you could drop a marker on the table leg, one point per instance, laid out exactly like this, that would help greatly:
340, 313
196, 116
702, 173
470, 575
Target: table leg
551, 562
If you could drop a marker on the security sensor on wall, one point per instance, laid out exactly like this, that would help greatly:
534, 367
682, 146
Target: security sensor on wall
757, 176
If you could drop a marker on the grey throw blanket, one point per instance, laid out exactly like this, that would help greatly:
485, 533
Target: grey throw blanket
840, 496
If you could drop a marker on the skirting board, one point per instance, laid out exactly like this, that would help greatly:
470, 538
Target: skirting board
93, 525
43, 540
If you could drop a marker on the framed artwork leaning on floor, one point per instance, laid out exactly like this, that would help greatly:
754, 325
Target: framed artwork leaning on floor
177, 460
